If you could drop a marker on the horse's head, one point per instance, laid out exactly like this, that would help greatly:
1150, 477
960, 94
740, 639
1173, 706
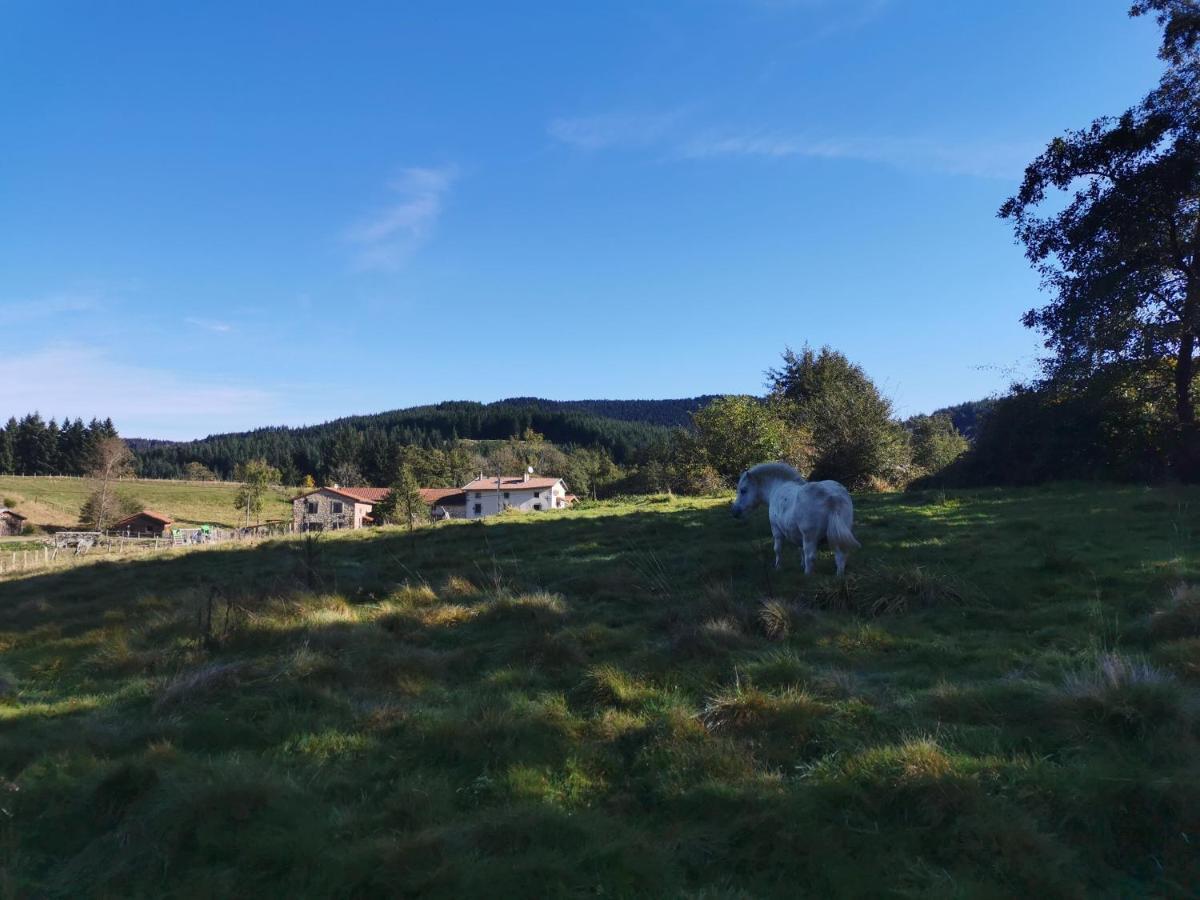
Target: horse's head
748, 495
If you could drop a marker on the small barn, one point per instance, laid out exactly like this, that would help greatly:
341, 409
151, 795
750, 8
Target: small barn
11, 522
147, 523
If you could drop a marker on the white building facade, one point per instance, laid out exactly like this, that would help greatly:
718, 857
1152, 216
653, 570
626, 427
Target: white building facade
488, 496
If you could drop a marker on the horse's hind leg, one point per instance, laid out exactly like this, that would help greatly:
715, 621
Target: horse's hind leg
840, 556
810, 552
778, 552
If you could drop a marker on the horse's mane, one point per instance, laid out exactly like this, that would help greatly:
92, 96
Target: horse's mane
777, 470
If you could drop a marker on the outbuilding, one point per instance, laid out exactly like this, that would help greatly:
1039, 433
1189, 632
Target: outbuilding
147, 523
12, 523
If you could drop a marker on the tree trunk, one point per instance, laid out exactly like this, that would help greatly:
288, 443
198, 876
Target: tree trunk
1188, 460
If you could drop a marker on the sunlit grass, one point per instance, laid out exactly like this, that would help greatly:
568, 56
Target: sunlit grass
624, 700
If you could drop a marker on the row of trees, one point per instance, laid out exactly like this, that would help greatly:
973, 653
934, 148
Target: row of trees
822, 414
32, 446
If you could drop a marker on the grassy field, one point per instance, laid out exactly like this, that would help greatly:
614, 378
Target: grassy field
56, 502
621, 700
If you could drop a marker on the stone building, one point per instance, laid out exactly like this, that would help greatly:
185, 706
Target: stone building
11, 522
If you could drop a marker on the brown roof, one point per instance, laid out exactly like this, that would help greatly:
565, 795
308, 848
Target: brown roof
148, 513
360, 494
511, 483
444, 496
4, 510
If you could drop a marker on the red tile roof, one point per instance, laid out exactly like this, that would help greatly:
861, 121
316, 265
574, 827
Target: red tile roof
373, 495
511, 483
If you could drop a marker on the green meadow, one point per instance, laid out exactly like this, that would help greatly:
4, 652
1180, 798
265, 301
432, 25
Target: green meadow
621, 700
56, 501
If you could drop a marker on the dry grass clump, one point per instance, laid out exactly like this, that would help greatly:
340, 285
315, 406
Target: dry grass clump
609, 686
458, 586
889, 591
1124, 697
1180, 617
742, 708
709, 638
775, 619
1182, 657
537, 609
414, 595
201, 683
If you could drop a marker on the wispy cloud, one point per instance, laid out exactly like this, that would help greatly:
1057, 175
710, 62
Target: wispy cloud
55, 304
675, 135
976, 158
614, 130
78, 380
387, 238
209, 325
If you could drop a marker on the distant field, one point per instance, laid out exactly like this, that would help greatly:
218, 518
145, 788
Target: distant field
54, 501
621, 700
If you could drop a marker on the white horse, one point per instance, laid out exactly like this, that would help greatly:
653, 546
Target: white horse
801, 512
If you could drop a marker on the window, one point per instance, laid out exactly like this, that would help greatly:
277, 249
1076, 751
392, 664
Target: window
537, 494
478, 507
478, 495
311, 507
506, 495
537, 506
336, 506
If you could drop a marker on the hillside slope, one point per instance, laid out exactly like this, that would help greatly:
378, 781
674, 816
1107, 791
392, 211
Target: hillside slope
621, 427
55, 501
601, 702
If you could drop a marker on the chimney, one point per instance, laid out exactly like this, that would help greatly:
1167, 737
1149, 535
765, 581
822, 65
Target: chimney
526, 477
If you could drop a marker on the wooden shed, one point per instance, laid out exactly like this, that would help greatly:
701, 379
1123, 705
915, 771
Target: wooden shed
11, 522
147, 523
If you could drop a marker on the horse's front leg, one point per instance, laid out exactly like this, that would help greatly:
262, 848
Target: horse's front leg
778, 551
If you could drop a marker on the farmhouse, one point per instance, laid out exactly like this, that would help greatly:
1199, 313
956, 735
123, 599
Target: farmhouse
336, 508
11, 522
487, 496
147, 523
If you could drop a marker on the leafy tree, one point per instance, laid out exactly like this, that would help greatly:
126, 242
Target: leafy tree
101, 509
403, 502
936, 443
197, 471
738, 432
257, 478
346, 475
110, 462
308, 483
855, 439
1119, 247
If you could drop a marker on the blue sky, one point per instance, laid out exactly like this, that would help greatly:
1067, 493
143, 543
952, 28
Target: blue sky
222, 215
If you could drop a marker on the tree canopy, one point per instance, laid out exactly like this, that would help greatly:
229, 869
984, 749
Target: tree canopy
1110, 217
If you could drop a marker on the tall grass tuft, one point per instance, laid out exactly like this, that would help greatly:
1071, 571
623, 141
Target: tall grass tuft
1123, 697
890, 590
1180, 617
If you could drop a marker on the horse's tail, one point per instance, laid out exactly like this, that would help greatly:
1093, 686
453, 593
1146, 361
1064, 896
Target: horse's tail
841, 519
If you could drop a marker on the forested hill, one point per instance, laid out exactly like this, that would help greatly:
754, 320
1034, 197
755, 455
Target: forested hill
621, 427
